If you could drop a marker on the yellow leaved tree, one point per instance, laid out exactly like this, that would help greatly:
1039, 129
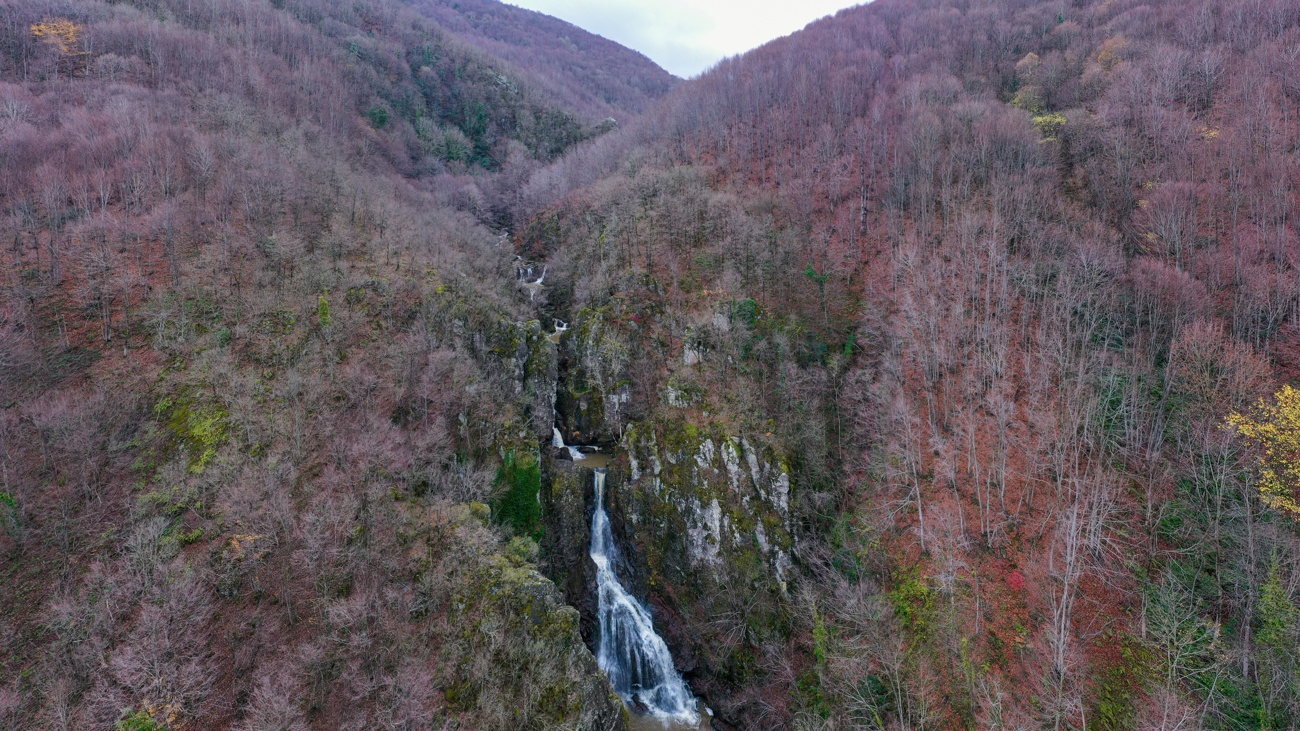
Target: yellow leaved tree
1274, 428
66, 37
61, 33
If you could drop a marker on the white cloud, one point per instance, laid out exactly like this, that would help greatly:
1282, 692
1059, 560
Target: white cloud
688, 36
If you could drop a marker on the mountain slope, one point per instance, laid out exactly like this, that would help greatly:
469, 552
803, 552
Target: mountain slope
266, 403
984, 279
911, 339
591, 73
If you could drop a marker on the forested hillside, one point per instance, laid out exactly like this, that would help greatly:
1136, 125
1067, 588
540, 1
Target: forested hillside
988, 278
587, 71
933, 351
260, 361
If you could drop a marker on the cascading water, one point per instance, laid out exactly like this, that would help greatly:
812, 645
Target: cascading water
635, 658
557, 441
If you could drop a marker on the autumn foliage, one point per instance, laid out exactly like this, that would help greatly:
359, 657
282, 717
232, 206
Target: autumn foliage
61, 33
985, 279
1016, 262
1274, 428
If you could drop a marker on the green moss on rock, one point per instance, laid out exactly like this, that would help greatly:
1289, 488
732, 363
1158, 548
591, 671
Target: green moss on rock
521, 656
707, 512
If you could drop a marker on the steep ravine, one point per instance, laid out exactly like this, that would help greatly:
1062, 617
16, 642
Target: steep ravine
693, 507
581, 554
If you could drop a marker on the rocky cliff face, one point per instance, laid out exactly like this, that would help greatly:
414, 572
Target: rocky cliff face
707, 513
701, 509
542, 659
710, 498
516, 356
566, 510
596, 387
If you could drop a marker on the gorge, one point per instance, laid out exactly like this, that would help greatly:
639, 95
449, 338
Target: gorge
434, 364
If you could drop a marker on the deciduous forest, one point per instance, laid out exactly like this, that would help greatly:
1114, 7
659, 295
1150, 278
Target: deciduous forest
938, 359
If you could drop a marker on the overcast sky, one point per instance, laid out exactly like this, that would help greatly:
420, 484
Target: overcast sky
688, 36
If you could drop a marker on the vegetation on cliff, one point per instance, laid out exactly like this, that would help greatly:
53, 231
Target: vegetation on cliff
939, 341
991, 276
260, 360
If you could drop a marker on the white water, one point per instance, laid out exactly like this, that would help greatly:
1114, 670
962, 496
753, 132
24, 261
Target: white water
557, 441
561, 327
533, 287
635, 658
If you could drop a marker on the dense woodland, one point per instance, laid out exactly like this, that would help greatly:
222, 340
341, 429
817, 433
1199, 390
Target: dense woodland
989, 278
1014, 264
236, 237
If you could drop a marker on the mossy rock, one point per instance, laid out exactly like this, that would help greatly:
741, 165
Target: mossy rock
509, 351
521, 654
597, 384
566, 511
707, 510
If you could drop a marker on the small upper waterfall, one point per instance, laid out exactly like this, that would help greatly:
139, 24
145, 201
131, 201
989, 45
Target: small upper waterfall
532, 287
557, 441
561, 327
635, 658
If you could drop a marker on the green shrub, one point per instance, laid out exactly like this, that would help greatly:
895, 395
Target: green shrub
746, 311
820, 638
1030, 99
139, 721
198, 426
323, 315
520, 482
8, 512
808, 690
1121, 686
913, 604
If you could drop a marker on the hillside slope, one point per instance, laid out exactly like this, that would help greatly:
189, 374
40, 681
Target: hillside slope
949, 303
912, 340
589, 72
267, 401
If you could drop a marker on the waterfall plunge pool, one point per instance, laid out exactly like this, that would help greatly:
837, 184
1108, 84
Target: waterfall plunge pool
582, 456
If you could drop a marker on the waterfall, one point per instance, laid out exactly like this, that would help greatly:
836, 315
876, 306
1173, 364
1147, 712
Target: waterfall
636, 659
557, 441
